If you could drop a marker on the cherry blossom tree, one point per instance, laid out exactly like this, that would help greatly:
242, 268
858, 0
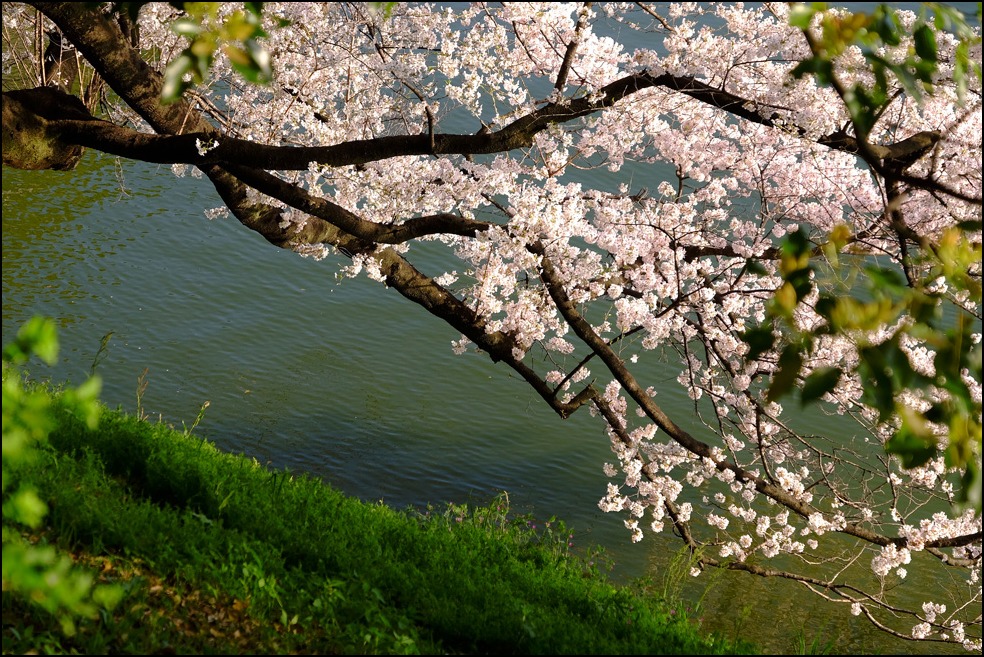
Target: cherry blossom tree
772, 160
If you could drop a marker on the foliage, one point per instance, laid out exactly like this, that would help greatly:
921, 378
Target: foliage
237, 34
913, 307
39, 572
926, 422
882, 30
479, 160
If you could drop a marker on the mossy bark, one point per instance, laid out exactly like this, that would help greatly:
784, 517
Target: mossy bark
29, 141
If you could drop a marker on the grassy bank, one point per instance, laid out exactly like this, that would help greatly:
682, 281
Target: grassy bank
214, 553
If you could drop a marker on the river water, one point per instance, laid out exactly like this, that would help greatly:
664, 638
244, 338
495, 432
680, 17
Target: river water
345, 381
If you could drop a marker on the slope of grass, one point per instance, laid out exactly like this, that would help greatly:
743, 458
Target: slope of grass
217, 554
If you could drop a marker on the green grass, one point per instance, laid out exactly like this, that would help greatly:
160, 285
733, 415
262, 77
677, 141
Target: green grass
217, 554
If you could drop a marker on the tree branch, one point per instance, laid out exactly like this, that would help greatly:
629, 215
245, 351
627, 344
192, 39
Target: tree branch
565, 66
301, 199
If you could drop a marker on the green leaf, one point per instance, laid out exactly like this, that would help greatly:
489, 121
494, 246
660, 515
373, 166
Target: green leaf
969, 493
199, 70
755, 267
819, 383
925, 70
37, 336
897, 364
863, 104
924, 309
936, 413
83, 401
909, 81
825, 306
961, 64
174, 83
925, 42
912, 449
820, 68
802, 14
784, 301
790, 362
877, 391
384, 9
884, 280
261, 59
885, 24
186, 27
24, 506
759, 340
964, 441
797, 244
800, 280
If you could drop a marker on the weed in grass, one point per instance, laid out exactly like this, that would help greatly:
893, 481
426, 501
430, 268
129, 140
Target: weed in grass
816, 646
25, 639
201, 414
141, 389
101, 353
741, 619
